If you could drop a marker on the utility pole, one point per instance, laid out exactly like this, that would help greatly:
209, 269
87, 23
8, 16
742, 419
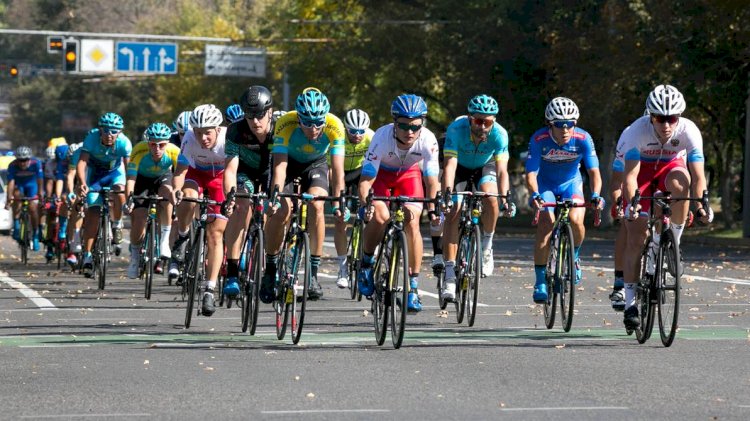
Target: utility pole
746, 181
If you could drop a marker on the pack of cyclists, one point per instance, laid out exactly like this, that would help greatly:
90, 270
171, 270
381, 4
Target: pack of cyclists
251, 147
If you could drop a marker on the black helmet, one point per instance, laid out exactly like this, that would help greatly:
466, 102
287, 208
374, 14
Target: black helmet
255, 100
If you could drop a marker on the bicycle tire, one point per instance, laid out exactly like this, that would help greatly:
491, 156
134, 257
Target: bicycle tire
302, 278
354, 256
399, 287
254, 272
461, 268
567, 279
380, 297
99, 254
193, 277
643, 299
283, 289
475, 275
24, 237
550, 306
150, 258
668, 284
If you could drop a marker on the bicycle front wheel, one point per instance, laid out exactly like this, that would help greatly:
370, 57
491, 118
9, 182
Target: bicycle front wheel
255, 260
567, 277
381, 297
399, 282
645, 307
194, 276
472, 276
551, 279
301, 281
668, 287
25, 239
354, 256
148, 273
102, 251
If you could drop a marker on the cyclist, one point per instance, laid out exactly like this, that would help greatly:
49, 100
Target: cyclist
247, 166
200, 170
234, 113
666, 148
476, 147
50, 199
68, 171
552, 169
392, 169
358, 138
104, 155
181, 124
301, 140
150, 172
25, 177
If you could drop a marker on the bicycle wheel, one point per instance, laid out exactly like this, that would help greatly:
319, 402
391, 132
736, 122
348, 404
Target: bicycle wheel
551, 278
100, 259
668, 287
643, 299
284, 292
301, 281
567, 277
461, 268
355, 251
150, 258
472, 276
193, 276
24, 237
381, 298
399, 275
256, 261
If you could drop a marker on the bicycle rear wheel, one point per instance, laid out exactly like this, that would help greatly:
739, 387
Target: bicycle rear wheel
301, 281
148, 273
381, 297
551, 279
255, 260
399, 275
567, 277
193, 277
668, 284
472, 276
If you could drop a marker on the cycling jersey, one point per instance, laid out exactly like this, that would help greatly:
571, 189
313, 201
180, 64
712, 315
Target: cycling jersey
640, 143
194, 156
175, 139
383, 154
26, 179
73, 160
557, 164
50, 166
106, 158
289, 139
141, 162
354, 153
459, 144
241, 142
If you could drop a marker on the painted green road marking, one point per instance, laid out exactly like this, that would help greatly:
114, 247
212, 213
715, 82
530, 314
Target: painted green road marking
326, 339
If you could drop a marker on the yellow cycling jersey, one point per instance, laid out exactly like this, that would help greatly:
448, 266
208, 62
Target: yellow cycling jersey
141, 162
289, 139
354, 154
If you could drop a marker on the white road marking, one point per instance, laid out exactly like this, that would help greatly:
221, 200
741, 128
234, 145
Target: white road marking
567, 408
325, 411
29, 293
85, 415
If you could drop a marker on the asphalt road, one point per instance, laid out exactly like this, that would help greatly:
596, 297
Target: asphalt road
70, 351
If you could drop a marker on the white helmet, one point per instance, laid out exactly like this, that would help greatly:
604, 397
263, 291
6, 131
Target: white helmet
357, 119
50, 152
561, 108
182, 122
73, 148
277, 114
665, 100
206, 115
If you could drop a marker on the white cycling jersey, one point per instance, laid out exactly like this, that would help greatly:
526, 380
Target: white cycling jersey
383, 154
639, 142
193, 155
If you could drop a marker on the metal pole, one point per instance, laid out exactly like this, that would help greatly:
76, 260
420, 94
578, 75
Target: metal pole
114, 35
746, 182
286, 90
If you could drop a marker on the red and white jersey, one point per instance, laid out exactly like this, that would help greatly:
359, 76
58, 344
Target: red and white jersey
639, 142
383, 154
194, 156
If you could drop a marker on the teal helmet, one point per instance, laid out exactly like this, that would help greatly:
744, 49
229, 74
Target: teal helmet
312, 104
111, 120
483, 104
157, 132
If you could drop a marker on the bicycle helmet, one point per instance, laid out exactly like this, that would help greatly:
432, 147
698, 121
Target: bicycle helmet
409, 105
665, 100
157, 132
483, 104
50, 151
182, 123
357, 120
23, 152
277, 114
61, 151
561, 108
255, 100
235, 113
111, 120
206, 115
312, 104
73, 148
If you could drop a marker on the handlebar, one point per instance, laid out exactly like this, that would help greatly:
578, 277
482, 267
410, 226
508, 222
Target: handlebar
569, 204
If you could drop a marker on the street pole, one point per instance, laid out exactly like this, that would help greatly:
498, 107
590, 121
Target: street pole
746, 182
286, 90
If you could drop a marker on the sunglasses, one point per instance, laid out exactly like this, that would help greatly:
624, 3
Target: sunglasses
484, 122
257, 116
160, 145
312, 124
356, 132
407, 127
110, 131
661, 119
564, 124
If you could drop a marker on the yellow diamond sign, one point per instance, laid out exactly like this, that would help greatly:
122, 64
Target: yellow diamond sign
97, 55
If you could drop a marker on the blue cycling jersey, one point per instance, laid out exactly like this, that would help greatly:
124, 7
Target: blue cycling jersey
458, 144
106, 158
557, 164
24, 176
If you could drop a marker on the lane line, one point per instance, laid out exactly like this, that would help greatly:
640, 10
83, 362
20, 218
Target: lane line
29, 293
85, 415
567, 408
325, 411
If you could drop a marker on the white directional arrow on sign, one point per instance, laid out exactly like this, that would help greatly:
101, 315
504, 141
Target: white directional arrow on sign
164, 60
146, 55
131, 57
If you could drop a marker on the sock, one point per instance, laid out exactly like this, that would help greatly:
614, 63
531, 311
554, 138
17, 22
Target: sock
271, 261
342, 262
165, 231
183, 234
450, 269
368, 260
117, 224
541, 273
437, 245
233, 268
677, 231
414, 282
577, 251
629, 295
211, 285
314, 265
487, 240
619, 283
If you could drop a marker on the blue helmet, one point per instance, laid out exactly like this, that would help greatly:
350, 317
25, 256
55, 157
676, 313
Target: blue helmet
409, 105
61, 151
312, 104
111, 120
158, 131
483, 104
235, 113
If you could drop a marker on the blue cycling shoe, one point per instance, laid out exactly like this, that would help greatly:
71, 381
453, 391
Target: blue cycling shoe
540, 293
232, 287
365, 282
413, 304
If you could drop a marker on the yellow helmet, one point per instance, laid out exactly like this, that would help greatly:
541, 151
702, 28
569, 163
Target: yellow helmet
56, 141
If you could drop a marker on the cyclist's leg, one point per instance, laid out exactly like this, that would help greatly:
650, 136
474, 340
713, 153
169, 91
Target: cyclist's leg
490, 213
541, 245
213, 189
410, 184
234, 235
315, 181
636, 239
165, 219
677, 181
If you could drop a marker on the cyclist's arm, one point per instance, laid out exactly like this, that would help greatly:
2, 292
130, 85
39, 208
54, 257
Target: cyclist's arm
129, 185
531, 182
81, 167
40, 184
365, 184
230, 173
595, 180
503, 179
699, 178
615, 188
433, 186
449, 172
280, 161
70, 180
178, 180
337, 178
631, 178
10, 191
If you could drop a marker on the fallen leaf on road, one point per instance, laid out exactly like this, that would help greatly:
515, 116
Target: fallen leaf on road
208, 369
507, 313
596, 255
365, 313
600, 274
602, 289
310, 395
560, 346
694, 309
296, 377
145, 362
443, 314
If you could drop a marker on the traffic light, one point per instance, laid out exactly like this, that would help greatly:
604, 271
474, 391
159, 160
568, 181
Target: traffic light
54, 44
70, 58
13, 71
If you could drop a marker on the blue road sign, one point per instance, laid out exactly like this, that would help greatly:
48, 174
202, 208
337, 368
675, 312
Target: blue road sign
146, 57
